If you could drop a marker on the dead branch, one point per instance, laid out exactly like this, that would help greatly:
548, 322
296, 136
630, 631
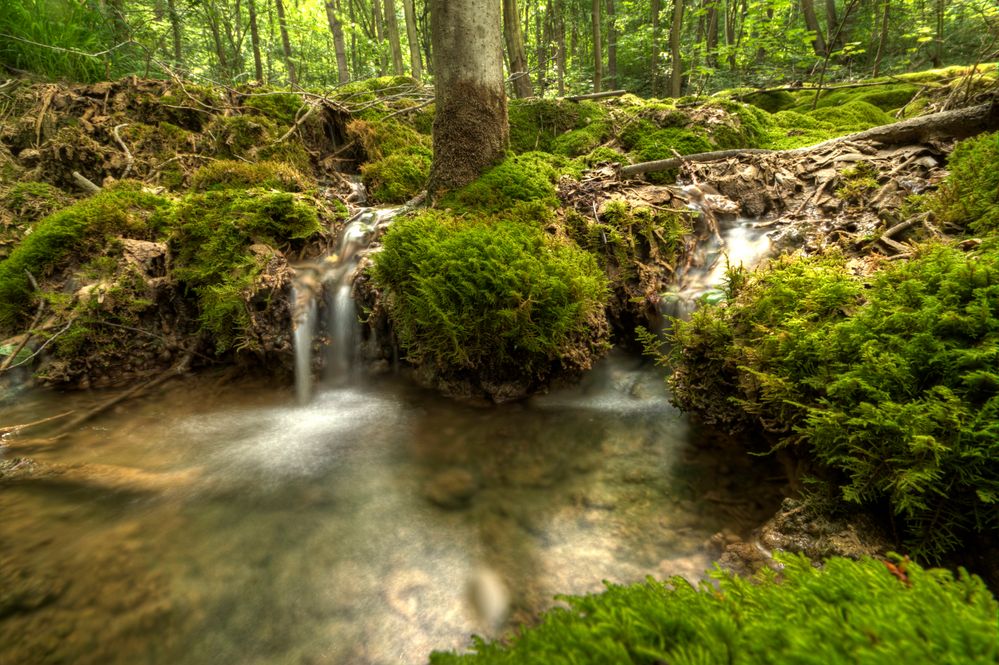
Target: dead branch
596, 95
84, 183
674, 162
128, 153
6, 364
14, 429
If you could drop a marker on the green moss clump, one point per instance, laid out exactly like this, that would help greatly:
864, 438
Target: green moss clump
536, 123
602, 155
771, 102
969, 196
844, 612
30, 201
211, 239
857, 182
581, 141
792, 129
239, 136
494, 296
231, 174
887, 97
853, 116
398, 159
892, 386
527, 177
282, 107
649, 143
73, 233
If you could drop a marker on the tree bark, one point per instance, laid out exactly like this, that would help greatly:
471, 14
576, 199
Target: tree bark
471, 132
654, 50
611, 44
392, 28
176, 32
676, 75
378, 21
834, 40
258, 64
711, 38
515, 50
812, 24
413, 37
560, 45
339, 44
882, 39
286, 43
597, 55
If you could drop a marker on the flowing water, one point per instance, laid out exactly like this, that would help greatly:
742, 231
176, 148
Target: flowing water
365, 522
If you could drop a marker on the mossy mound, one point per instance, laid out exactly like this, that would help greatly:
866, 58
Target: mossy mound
69, 235
638, 248
531, 176
230, 174
537, 124
844, 612
397, 159
21, 205
969, 197
891, 385
492, 299
222, 241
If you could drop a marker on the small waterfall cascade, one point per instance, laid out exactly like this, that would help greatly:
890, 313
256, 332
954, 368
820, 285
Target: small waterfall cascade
323, 305
727, 241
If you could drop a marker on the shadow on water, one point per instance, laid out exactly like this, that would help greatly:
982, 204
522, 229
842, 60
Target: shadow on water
372, 525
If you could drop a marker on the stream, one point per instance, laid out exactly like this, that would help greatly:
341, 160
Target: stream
366, 521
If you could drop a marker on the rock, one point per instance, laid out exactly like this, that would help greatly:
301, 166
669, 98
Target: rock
452, 488
803, 528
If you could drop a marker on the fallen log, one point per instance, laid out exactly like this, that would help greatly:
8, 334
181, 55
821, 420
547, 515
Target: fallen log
959, 123
597, 95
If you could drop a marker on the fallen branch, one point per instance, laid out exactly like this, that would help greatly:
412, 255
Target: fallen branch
5, 365
959, 123
177, 370
84, 183
128, 153
14, 429
597, 95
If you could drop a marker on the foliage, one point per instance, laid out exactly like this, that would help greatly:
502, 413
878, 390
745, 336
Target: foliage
72, 234
844, 612
212, 235
491, 293
969, 197
890, 384
857, 182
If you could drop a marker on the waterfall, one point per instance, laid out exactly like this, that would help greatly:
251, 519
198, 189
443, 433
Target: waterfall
323, 304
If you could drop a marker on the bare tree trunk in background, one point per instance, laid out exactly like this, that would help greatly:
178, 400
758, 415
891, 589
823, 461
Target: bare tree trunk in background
730, 16
560, 45
834, 40
258, 65
392, 28
676, 76
597, 54
286, 43
543, 47
471, 132
355, 59
882, 39
339, 45
939, 11
812, 24
711, 38
654, 56
515, 50
378, 21
176, 31
413, 37
611, 45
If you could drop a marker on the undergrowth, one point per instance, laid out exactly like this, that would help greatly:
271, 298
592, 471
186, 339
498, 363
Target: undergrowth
844, 612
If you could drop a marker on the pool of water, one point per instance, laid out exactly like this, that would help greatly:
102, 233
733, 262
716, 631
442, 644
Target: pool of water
223, 523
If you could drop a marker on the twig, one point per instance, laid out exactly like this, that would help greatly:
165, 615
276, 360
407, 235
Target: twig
298, 123
14, 429
409, 109
44, 344
128, 153
40, 120
97, 55
596, 95
177, 370
84, 183
5, 365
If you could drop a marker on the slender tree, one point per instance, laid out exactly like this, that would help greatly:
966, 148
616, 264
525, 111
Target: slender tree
812, 23
611, 44
412, 36
176, 31
883, 38
471, 131
258, 65
597, 55
339, 44
392, 31
515, 50
286, 42
676, 75
656, 10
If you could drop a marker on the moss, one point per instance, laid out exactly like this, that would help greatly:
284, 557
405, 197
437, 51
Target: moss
30, 201
857, 182
853, 116
581, 141
281, 107
888, 97
495, 296
969, 197
239, 136
397, 178
792, 129
603, 155
890, 385
527, 177
649, 143
536, 123
211, 238
73, 233
842, 612
771, 102
230, 174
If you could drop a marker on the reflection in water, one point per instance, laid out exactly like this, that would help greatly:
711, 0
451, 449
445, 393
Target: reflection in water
372, 525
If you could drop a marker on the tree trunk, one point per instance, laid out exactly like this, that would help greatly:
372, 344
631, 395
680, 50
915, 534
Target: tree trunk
258, 64
515, 50
560, 45
812, 23
832, 41
176, 31
471, 132
676, 75
939, 11
355, 59
611, 44
730, 16
711, 38
378, 21
286, 43
339, 44
654, 57
415, 61
882, 39
597, 55
392, 28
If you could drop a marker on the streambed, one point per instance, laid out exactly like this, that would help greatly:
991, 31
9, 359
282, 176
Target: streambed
355, 529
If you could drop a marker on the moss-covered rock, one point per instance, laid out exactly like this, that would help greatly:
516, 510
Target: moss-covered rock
535, 124
492, 299
397, 159
230, 174
527, 177
842, 612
